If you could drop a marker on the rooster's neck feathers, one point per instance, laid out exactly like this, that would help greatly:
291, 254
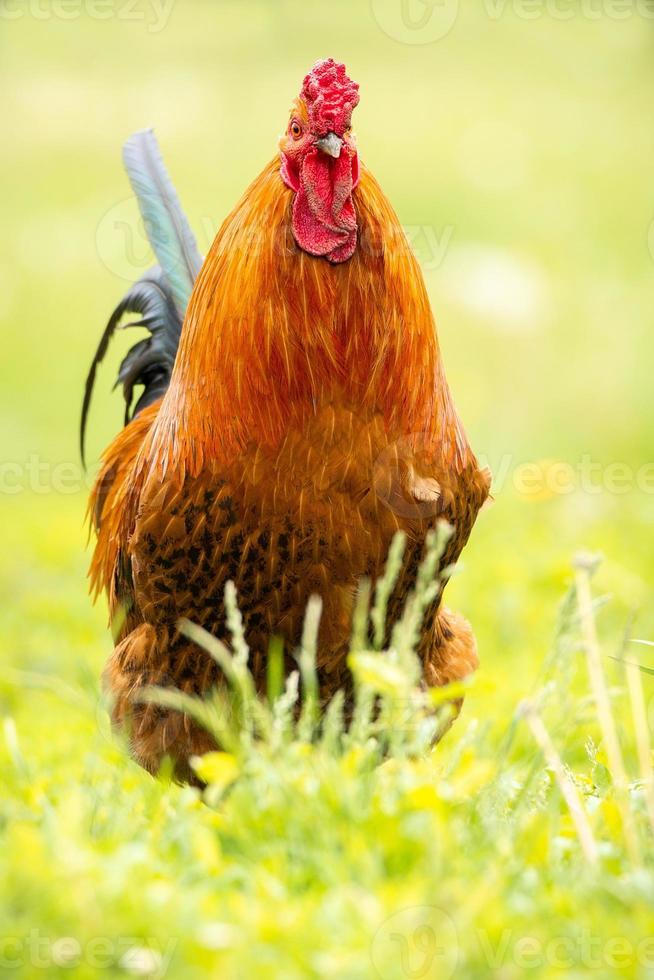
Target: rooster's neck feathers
272, 332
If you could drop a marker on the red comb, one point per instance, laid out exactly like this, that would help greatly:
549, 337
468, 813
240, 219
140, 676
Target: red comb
330, 97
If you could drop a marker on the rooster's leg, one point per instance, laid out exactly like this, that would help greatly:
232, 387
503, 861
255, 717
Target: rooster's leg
449, 655
154, 732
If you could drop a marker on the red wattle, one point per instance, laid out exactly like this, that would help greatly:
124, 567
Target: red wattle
324, 218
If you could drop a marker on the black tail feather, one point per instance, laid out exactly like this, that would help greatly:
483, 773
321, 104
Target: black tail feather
150, 361
161, 296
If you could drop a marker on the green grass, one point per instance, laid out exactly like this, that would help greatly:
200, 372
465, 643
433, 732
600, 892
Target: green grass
324, 851
524, 141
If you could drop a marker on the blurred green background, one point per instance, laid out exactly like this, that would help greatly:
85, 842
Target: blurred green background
517, 150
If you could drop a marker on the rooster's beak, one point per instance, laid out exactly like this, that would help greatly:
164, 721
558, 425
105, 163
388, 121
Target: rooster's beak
330, 144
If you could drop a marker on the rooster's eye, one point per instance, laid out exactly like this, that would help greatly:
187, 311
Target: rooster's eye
296, 130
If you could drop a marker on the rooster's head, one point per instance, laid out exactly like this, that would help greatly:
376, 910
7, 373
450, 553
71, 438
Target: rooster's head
319, 162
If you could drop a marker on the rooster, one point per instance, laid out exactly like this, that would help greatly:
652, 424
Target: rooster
294, 417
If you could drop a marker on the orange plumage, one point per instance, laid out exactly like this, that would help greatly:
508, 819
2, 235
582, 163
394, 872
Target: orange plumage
307, 419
